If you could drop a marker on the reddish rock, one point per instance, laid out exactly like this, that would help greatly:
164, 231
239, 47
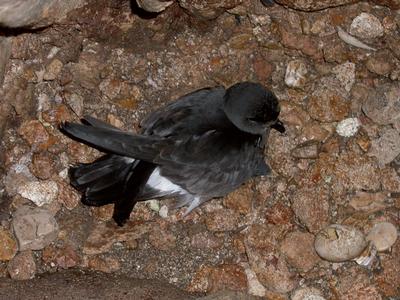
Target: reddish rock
361, 291
311, 206
370, 202
215, 278
298, 247
67, 195
313, 132
265, 237
57, 114
388, 281
390, 180
104, 235
103, 213
300, 42
262, 68
103, 264
162, 239
381, 63
222, 220
8, 245
62, 257
327, 105
22, 266
280, 214
42, 165
272, 271
35, 134
241, 199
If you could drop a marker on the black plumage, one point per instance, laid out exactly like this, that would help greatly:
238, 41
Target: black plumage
204, 145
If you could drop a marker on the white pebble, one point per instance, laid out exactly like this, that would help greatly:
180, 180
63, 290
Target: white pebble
39, 192
307, 293
348, 127
163, 212
296, 71
383, 235
153, 205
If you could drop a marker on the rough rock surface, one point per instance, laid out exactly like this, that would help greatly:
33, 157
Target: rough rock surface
34, 13
34, 228
326, 168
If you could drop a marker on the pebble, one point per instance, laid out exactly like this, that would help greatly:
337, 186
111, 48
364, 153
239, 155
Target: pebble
42, 165
8, 245
63, 257
163, 212
17, 175
383, 104
366, 26
39, 192
311, 206
53, 70
153, 204
387, 147
295, 75
240, 200
339, 243
34, 228
381, 63
105, 235
299, 251
348, 127
306, 150
22, 266
307, 293
326, 105
369, 202
67, 195
255, 287
346, 74
103, 264
35, 134
75, 102
383, 235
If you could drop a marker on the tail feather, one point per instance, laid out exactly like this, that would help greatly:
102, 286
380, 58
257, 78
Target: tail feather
115, 141
101, 181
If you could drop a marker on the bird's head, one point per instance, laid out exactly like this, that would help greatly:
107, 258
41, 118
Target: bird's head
252, 108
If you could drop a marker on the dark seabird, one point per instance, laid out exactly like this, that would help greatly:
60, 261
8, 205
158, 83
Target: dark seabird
204, 145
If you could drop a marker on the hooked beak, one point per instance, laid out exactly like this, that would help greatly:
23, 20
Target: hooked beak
278, 125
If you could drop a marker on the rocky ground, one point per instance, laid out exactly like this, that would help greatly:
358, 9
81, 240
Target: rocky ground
334, 65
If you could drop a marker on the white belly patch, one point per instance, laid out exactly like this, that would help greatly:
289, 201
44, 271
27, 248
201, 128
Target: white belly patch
162, 184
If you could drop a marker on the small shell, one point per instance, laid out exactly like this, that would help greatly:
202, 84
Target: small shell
153, 5
351, 40
338, 243
383, 235
368, 256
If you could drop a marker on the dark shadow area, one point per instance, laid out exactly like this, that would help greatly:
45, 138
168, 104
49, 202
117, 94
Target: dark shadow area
88, 285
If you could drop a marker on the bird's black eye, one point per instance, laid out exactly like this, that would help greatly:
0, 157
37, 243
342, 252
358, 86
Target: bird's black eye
255, 119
